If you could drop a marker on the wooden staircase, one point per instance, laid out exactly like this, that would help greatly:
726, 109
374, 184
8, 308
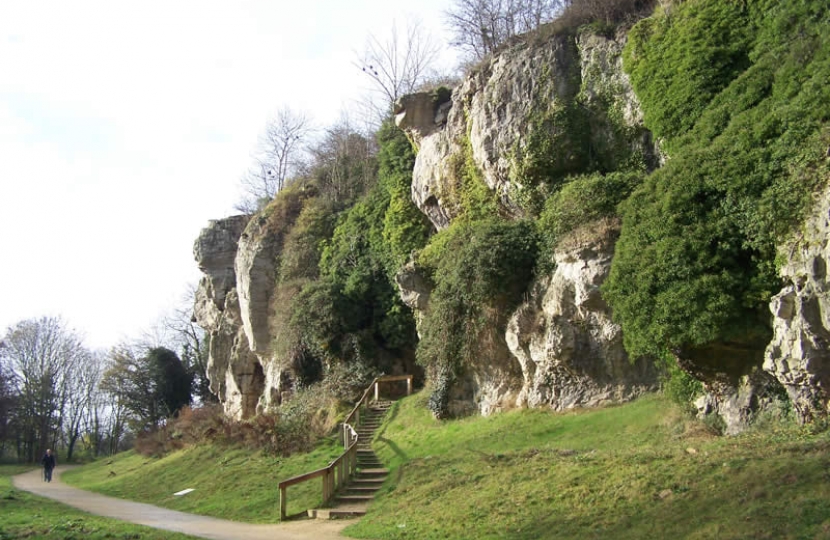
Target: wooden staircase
350, 481
354, 497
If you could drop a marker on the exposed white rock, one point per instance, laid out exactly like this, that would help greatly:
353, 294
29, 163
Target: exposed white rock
496, 106
799, 353
570, 350
414, 287
738, 405
234, 372
215, 251
256, 275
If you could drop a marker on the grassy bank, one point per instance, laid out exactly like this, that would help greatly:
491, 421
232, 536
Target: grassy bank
233, 484
634, 471
23, 515
641, 470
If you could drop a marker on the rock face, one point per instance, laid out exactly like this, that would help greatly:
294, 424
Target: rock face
570, 351
232, 305
736, 388
738, 404
799, 354
256, 275
496, 110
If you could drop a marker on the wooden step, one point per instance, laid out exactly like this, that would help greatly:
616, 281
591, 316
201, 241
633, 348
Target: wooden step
335, 513
363, 489
354, 498
372, 471
375, 482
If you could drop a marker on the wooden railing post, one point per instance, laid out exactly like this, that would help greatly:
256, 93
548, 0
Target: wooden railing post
409, 385
283, 502
377, 390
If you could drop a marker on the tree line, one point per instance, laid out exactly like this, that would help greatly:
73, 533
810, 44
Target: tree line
57, 393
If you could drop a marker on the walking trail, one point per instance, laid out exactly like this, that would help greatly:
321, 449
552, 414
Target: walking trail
171, 520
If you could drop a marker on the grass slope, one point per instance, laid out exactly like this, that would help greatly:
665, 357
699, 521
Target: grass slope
233, 484
23, 515
634, 471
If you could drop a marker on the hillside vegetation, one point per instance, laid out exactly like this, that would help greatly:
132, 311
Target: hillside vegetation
230, 483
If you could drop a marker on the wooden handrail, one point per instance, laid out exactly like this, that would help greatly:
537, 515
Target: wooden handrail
336, 473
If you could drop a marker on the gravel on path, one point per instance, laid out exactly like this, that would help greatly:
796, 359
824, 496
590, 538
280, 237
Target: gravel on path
171, 520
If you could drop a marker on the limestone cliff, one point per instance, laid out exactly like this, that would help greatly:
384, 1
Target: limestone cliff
238, 257
562, 349
572, 92
235, 374
524, 123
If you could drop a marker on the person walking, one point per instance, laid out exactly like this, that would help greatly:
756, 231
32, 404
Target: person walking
49, 463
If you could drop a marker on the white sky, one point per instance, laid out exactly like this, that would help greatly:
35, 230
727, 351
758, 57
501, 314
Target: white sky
125, 126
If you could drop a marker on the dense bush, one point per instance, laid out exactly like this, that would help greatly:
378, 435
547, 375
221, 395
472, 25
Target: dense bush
582, 200
480, 273
678, 63
695, 262
346, 308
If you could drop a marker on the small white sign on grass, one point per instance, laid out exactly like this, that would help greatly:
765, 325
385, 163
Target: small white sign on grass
183, 492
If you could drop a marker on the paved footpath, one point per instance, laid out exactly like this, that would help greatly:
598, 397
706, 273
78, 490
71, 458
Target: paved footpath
171, 520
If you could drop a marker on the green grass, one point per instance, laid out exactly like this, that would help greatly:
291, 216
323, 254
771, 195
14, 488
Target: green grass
634, 471
235, 484
23, 515
640, 470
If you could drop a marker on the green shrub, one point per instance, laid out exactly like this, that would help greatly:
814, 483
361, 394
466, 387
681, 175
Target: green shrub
300, 257
582, 200
468, 197
677, 385
557, 145
679, 63
695, 262
481, 274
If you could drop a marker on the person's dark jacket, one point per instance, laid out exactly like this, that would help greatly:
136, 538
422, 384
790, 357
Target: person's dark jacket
48, 461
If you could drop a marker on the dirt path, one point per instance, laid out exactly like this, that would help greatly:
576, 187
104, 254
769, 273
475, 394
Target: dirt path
171, 520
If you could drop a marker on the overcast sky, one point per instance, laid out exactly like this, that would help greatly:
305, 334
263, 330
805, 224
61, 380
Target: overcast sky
125, 126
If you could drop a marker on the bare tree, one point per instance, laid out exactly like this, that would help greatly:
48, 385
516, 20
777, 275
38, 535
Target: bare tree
101, 411
397, 65
481, 26
82, 387
43, 355
342, 162
279, 157
108, 414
